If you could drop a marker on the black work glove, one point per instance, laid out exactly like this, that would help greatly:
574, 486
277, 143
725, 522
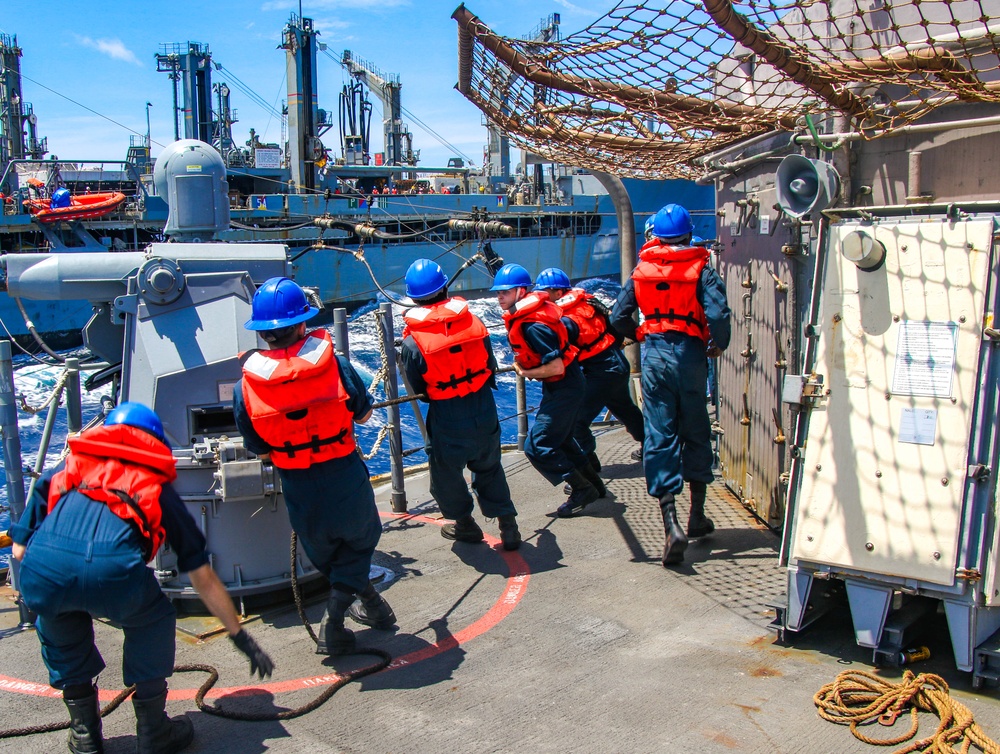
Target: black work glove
260, 662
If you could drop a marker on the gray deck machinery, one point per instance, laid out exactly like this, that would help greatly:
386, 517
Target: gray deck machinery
171, 320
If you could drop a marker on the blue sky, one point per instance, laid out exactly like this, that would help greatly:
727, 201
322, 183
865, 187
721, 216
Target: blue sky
102, 57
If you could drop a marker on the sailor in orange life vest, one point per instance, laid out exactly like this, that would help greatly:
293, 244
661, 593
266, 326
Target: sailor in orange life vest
447, 355
686, 316
91, 525
542, 351
604, 366
297, 404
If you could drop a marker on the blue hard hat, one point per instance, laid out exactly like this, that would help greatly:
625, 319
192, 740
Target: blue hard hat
60, 198
511, 276
673, 221
424, 278
648, 228
551, 277
139, 416
278, 303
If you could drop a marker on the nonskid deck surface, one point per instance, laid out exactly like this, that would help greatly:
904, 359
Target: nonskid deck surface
578, 642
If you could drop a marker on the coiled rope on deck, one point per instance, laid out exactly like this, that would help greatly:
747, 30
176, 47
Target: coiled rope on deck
857, 698
213, 675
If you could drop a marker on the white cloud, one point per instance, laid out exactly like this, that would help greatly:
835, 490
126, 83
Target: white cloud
113, 48
573, 8
330, 24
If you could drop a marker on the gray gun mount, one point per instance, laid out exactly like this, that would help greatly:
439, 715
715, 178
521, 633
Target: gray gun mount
169, 322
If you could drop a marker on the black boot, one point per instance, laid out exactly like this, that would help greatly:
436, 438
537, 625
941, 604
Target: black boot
509, 533
333, 638
636, 455
85, 724
595, 462
699, 525
595, 479
673, 550
157, 733
465, 529
583, 494
372, 610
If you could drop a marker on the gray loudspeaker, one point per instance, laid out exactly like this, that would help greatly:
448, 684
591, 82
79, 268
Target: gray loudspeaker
805, 185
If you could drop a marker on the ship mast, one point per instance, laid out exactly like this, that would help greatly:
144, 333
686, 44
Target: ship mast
18, 137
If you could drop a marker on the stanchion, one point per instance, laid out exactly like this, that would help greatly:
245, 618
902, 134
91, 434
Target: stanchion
398, 497
13, 465
341, 342
74, 409
522, 412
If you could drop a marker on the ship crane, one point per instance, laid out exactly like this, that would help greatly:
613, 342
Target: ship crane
398, 140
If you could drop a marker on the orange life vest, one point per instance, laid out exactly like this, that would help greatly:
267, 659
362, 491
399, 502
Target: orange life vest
450, 338
537, 307
298, 403
594, 337
666, 289
125, 468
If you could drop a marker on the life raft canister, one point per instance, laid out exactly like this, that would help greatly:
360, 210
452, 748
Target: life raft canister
537, 307
450, 338
666, 290
298, 403
125, 468
594, 336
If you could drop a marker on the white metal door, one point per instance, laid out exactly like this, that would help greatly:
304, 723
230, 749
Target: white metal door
885, 461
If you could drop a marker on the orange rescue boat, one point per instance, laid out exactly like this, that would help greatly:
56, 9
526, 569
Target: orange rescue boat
81, 207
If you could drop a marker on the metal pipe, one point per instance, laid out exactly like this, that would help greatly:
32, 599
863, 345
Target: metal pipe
808, 362
913, 128
43, 447
522, 412
74, 409
915, 209
809, 139
627, 247
913, 176
742, 146
341, 341
732, 167
13, 463
398, 495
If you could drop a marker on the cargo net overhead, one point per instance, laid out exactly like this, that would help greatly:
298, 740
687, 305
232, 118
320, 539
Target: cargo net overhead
650, 87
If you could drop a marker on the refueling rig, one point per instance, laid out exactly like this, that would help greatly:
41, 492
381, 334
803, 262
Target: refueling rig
168, 322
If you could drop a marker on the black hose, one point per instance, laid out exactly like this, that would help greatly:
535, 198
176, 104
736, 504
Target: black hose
34, 333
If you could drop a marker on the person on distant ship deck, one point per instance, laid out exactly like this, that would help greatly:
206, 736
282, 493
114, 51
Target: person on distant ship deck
604, 366
297, 404
447, 355
542, 351
686, 315
84, 540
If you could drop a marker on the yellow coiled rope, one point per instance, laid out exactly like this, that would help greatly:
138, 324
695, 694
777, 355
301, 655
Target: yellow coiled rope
857, 698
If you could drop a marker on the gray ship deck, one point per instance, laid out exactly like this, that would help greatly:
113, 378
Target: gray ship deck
591, 646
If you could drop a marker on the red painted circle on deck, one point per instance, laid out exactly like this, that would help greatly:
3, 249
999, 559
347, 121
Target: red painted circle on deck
517, 581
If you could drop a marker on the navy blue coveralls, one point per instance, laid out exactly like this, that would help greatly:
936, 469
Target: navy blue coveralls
463, 432
84, 562
678, 443
550, 446
331, 505
607, 376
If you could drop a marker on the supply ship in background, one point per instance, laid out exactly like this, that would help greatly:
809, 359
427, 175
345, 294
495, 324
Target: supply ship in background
557, 215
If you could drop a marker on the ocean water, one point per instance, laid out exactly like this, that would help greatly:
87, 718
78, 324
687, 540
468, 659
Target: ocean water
35, 381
